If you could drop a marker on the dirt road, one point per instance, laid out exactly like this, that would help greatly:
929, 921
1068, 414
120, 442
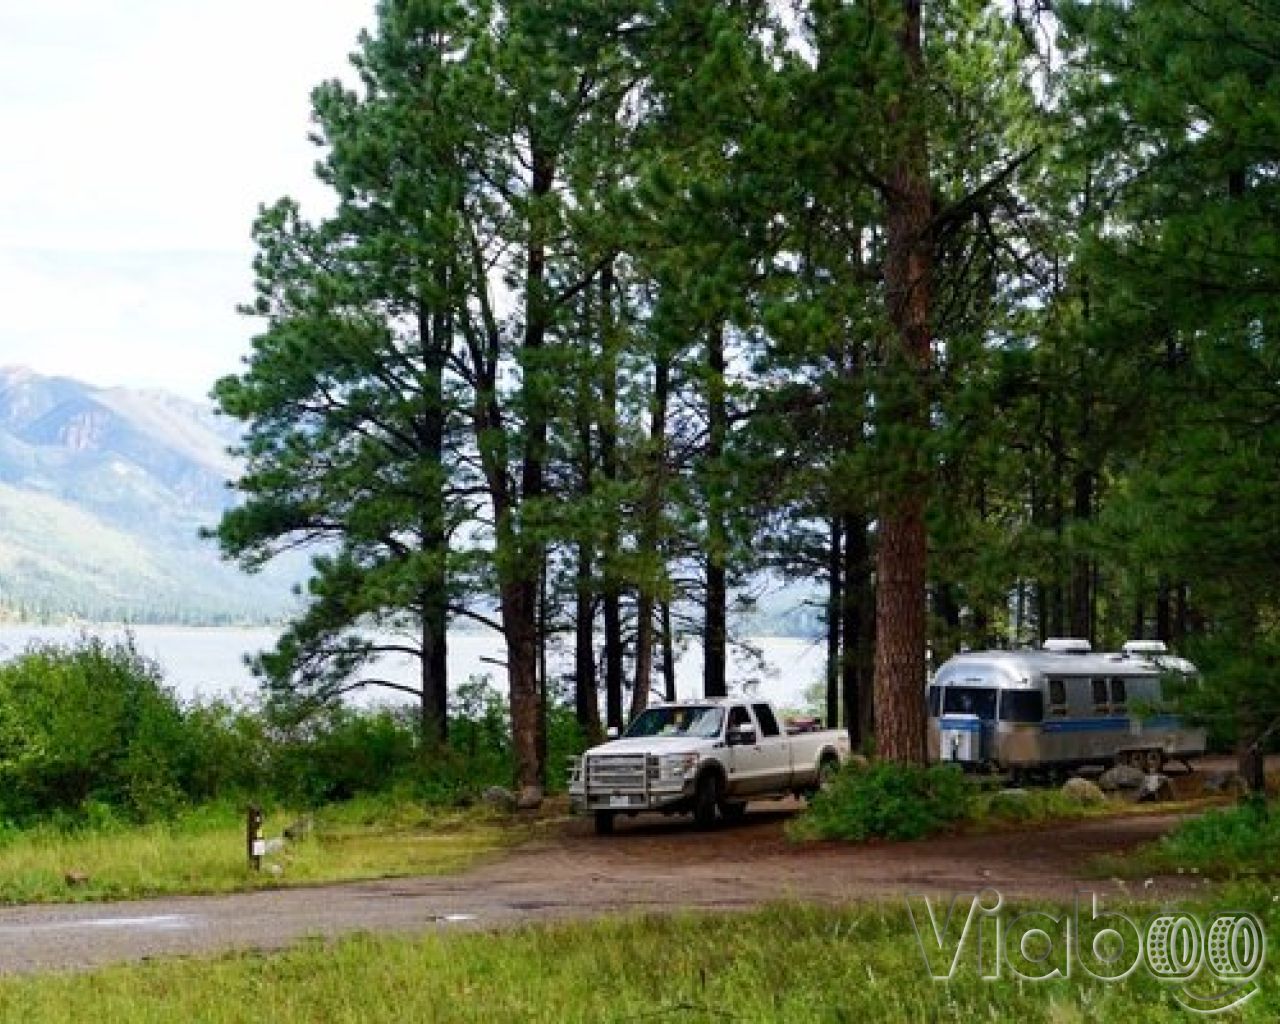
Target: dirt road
650, 865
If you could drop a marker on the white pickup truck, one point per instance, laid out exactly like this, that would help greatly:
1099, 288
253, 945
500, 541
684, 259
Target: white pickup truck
706, 758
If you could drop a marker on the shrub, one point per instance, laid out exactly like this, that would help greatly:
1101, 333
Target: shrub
887, 800
86, 724
1237, 840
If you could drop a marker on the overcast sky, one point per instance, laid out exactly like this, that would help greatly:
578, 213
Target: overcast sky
137, 138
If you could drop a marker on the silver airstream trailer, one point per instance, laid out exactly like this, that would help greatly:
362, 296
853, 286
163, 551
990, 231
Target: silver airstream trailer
1039, 712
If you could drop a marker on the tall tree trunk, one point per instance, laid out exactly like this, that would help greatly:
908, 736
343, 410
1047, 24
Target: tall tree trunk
715, 629
520, 595
644, 654
434, 338
902, 544
857, 629
586, 701
835, 609
611, 590
651, 528
668, 651
1082, 565
1164, 627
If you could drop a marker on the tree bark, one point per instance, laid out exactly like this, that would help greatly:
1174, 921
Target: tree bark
857, 629
902, 546
611, 596
668, 651
651, 529
434, 339
715, 628
586, 701
835, 608
1082, 565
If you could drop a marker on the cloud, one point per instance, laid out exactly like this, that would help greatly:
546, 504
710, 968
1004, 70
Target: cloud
140, 139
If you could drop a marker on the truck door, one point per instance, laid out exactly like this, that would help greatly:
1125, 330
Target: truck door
776, 746
746, 760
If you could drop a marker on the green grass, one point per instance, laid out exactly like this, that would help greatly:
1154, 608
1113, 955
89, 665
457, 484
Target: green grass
204, 852
1225, 843
788, 964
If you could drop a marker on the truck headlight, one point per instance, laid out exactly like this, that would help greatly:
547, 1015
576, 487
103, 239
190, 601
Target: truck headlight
677, 766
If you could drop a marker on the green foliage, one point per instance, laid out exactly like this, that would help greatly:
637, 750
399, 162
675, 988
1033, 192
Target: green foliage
887, 800
89, 724
1228, 843
91, 738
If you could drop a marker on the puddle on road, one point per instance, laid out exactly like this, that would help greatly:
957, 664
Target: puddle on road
155, 923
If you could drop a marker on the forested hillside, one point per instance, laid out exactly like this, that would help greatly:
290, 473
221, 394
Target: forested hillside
960, 310
103, 493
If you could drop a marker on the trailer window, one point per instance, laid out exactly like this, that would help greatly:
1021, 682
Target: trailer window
1117, 691
1057, 696
971, 700
1021, 706
768, 724
1100, 694
935, 701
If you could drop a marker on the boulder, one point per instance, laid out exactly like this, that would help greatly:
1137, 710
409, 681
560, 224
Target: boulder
530, 798
301, 828
1223, 782
499, 798
1121, 776
1155, 787
1082, 791
76, 878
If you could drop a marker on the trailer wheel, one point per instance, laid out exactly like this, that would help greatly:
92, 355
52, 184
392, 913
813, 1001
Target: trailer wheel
706, 799
604, 823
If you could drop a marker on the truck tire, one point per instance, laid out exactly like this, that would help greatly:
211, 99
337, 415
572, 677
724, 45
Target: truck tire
604, 823
706, 799
828, 767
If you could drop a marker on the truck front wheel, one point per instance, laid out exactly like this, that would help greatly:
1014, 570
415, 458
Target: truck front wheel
604, 823
706, 799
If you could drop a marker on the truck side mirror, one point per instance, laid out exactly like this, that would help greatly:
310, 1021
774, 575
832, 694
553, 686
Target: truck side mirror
742, 736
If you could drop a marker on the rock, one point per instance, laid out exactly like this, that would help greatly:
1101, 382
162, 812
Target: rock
499, 798
76, 878
1082, 791
301, 828
1121, 776
857, 761
275, 870
1155, 787
530, 798
1224, 782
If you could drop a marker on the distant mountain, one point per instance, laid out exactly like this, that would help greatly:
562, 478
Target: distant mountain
102, 496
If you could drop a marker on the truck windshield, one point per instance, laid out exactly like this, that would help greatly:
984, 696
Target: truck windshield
703, 722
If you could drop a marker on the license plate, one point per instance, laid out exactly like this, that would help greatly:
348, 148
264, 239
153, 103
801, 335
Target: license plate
619, 801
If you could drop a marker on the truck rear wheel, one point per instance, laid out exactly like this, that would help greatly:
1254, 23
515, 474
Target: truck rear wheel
828, 769
604, 823
706, 799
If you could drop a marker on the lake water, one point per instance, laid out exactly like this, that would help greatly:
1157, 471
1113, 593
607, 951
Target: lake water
210, 662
